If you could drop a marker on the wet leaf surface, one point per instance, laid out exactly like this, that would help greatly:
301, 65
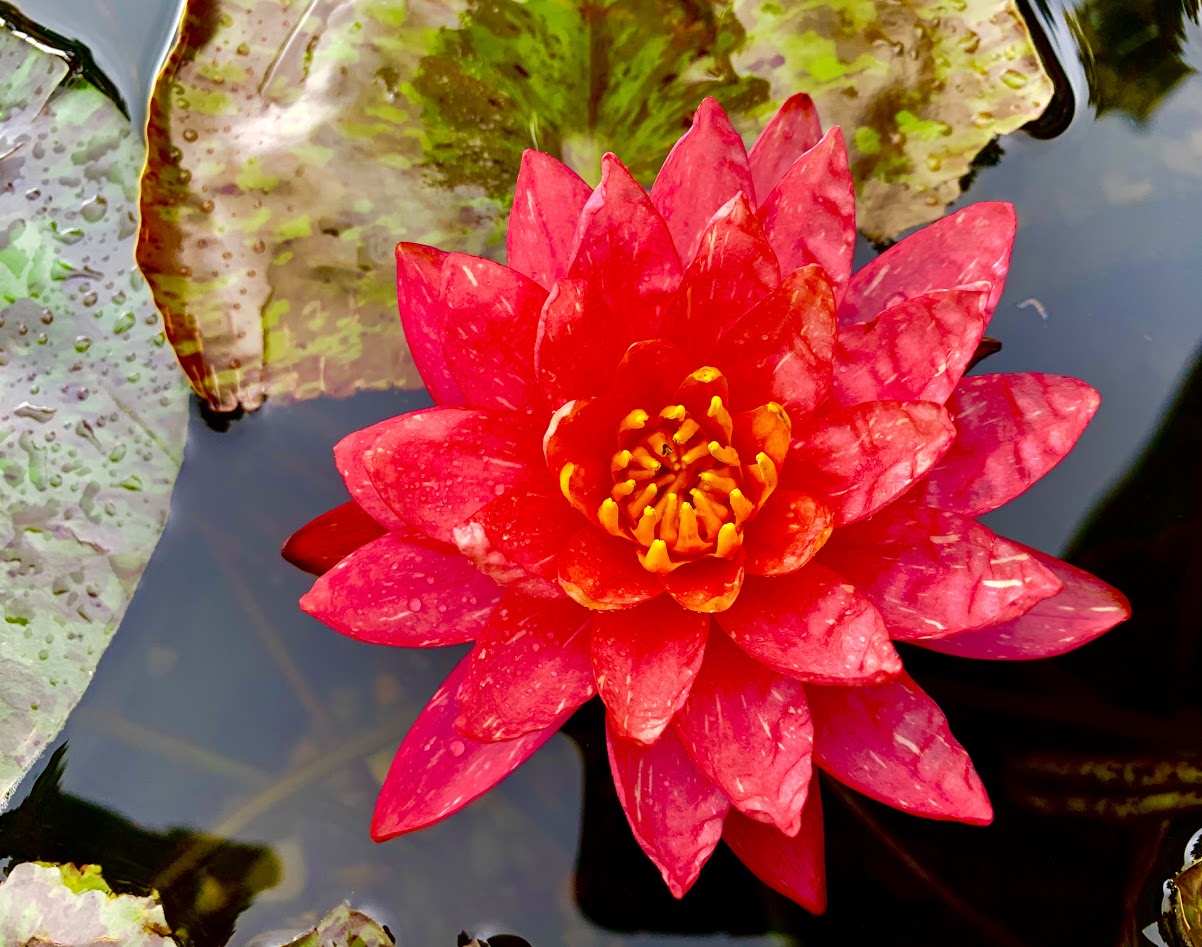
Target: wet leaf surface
344, 927
92, 406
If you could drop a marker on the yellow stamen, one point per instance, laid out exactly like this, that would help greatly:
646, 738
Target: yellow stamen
718, 413
729, 539
636, 420
668, 509
673, 412
764, 471
609, 516
718, 481
687, 429
619, 462
623, 489
659, 444
688, 539
646, 495
740, 506
644, 459
694, 454
644, 532
656, 558
712, 515
724, 455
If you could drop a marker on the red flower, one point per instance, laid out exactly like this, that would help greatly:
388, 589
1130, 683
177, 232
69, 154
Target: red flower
684, 459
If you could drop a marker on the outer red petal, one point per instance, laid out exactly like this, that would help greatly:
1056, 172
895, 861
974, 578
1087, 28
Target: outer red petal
1085, 608
858, 459
321, 542
437, 467
749, 731
437, 771
625, 252
705, 169
423, 317
707, 585
891, 742
516, 539
787, 534
547, 201
793, 866
530, 666
576, 348
349, 454
1011, 430
782, 349
398, 592
733, 269
793, 131
645, 660
674, 812
969, 246
915, 351
810, 216
813, 626
491, 319
602, 573
932, 574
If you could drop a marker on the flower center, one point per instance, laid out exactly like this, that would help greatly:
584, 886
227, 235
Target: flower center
681, 488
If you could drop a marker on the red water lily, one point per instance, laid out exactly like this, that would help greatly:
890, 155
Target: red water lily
684, 459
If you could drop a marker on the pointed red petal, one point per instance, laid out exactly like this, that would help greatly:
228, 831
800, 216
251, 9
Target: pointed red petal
435, 468
782, 349
793, 131
423, 317
437, 771
645, 660
914, 351
705, 169
932, 573
602, 572
810, 216
1011, 430
577, 348
1084, 609
516, 539
813, 626
625, 252
402, 593
320, 543
786, 534
748, 730
857, 459
674, 812
733, 269
892, 743
795, 867
349, 454
530, 666
547, 201
969, 246
491, 319
707, 585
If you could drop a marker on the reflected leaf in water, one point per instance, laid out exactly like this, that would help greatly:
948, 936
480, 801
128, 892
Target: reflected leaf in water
94, 410
201, 905
342, 926
65, 906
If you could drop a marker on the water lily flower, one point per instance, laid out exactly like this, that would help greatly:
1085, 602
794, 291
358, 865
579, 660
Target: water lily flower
684, 459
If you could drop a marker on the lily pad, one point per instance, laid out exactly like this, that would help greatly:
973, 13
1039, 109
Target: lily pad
63, 906
93, 409
342, 927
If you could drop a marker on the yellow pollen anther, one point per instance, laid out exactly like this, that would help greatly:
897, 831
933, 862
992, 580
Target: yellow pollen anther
656, 559
565, 480
740, 506
687, 429
668, 509
717, 411
724, 455
623, 489
717, 481
609, 516
636, 420
706, 374
646, 460
659, 445
673, 412
687, 537
710, 512
619, 462
729, 539
694, 454
644, 532
764, 470
646, 495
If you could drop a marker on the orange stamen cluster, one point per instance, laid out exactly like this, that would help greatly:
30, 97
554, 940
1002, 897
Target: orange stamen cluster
681, 490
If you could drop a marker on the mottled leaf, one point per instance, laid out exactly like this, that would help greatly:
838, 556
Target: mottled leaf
344, 927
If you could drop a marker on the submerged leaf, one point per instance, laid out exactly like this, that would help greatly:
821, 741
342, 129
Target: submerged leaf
344, 927
93, 411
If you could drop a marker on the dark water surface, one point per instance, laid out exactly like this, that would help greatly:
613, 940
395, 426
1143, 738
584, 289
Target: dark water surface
230, 748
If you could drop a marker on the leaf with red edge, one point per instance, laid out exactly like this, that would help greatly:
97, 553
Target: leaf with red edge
602, 572
705, 168
708, 585
972, 245
915, 351
792, 131
1011, 430
349, 458
437, 771
733, 269
320, 543
892, 743
857, 459
786, 534
395, 591
933, 574
436, 467
782, 349
645, 659
1084, 609
813, 626
748, 729
530, 666
796, 867
624, 251
516, 538
423, 317
810, 216
547, 201
674, 812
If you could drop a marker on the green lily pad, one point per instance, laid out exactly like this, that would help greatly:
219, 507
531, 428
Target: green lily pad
292, 146
93, 409
344, 927
45, 905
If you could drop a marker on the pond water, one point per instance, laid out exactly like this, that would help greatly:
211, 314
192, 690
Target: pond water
229, 749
